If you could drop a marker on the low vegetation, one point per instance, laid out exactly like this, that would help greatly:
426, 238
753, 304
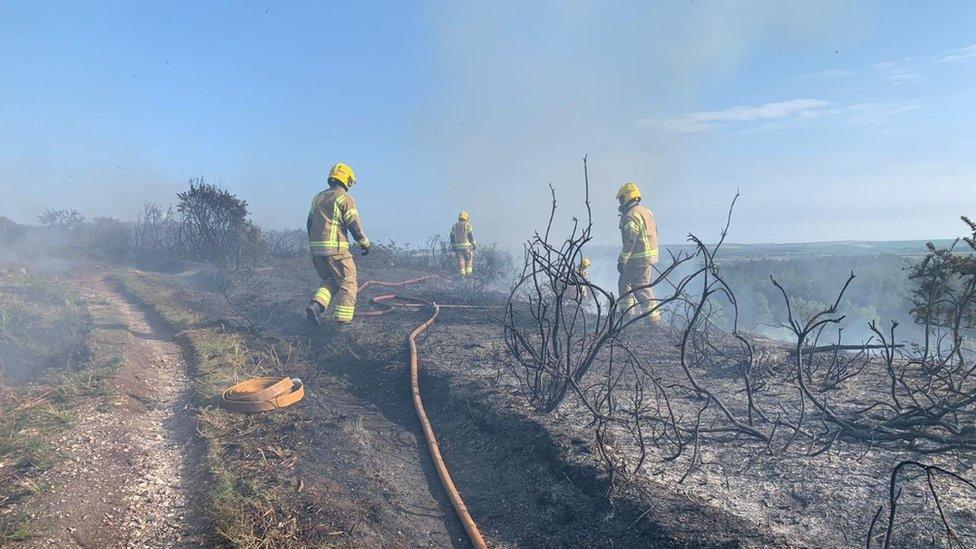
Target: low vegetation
43, 324
249, 459
63, 360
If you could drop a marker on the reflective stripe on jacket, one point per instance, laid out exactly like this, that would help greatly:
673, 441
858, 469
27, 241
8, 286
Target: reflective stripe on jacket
332, 214
462, 236
638, 232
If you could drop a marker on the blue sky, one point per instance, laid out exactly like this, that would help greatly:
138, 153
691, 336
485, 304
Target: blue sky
835, 120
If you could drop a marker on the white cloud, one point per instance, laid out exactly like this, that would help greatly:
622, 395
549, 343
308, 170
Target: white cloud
903, 71
898, 72
875, 114
708, 120
782, 114
962, 54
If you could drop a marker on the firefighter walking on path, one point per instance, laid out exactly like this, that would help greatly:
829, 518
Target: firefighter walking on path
638, 234
462, 240
333, 213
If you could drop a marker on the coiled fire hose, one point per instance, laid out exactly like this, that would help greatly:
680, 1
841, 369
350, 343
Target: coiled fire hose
261, 394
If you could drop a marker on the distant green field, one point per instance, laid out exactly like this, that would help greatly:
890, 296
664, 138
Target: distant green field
812, 273
733, 251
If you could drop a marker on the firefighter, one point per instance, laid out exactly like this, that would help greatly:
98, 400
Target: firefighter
462, 240
333, 213
584, 274
638, 233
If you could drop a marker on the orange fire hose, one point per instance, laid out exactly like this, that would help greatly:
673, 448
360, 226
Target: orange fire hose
435, 452
261, 394
400, 283
384, 307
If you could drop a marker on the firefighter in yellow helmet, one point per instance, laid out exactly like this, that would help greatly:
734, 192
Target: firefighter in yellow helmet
333, 213
638, 234
462, 241
584, 273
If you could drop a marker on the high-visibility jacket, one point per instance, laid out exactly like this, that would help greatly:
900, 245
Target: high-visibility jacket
333, 213
584, 273
462, 236
638, 233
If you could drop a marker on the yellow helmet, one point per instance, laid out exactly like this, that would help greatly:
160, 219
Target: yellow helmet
463, 216
585, 262
343, 174
628, 192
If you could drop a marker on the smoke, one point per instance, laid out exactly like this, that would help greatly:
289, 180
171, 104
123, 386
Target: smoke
115, 188
532, 86
26, 248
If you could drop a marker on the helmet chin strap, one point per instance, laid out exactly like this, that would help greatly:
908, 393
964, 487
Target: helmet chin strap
626, 205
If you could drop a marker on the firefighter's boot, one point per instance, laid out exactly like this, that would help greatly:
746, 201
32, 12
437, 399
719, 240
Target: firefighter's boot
315, 312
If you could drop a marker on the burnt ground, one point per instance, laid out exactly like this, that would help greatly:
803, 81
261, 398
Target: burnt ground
363, 458
736, 492
366, 457
796, 498
348, 465
526, 484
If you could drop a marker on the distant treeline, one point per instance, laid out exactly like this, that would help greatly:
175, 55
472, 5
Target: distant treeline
207, 225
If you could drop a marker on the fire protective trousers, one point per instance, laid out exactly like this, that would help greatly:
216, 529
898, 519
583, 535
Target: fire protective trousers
339, 286
465, 258
637, 274
581, 291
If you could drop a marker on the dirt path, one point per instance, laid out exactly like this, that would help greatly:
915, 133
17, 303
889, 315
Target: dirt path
128, 477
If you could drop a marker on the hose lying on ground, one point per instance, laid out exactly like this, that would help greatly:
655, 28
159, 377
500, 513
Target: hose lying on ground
382, 302
401, 283
435, 452
261, 394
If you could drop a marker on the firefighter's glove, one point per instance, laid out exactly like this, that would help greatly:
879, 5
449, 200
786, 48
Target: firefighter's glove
365, 250
473, 246
620, 267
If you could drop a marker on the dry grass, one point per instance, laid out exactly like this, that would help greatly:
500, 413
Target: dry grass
43, 325
46, 316
252, 501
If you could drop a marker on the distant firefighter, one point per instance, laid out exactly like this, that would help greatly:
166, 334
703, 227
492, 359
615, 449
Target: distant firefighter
638, 233
462, 240
584, 273
333, 213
